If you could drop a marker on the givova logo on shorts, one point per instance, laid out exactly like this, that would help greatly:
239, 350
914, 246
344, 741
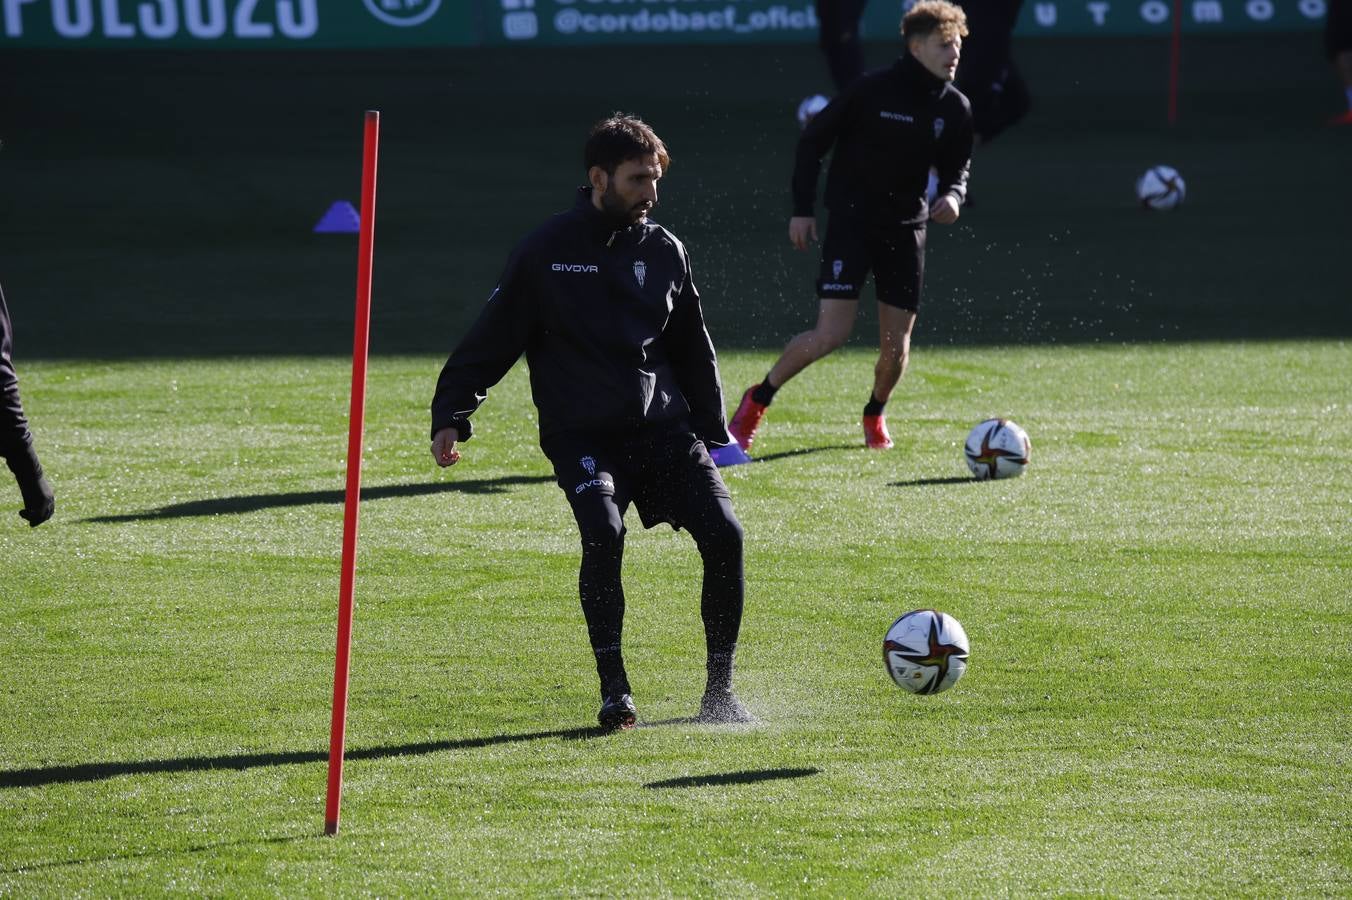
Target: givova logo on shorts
589, 466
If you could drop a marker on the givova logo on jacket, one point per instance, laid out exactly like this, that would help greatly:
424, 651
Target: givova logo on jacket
574, 267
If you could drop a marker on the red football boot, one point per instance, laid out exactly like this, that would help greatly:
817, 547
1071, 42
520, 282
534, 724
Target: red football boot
747, 419
875, 433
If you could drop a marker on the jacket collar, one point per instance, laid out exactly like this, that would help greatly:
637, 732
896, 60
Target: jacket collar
601, 226
921, 79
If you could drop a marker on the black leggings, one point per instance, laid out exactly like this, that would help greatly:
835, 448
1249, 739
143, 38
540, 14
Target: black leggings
717, 534
669, 476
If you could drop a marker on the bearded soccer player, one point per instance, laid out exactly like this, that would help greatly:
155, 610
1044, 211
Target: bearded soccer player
16, 443
883, 133
602, 302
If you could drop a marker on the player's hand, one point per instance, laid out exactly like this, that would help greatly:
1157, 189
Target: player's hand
801, 230
945, 210
39, 501
443, 447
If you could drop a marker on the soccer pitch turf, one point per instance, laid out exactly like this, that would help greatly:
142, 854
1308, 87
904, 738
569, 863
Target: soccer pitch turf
1159, 610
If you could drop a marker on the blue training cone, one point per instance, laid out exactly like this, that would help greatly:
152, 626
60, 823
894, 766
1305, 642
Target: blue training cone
731, 455
341, 218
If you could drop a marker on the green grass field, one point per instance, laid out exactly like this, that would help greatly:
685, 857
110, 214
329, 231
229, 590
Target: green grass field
1157, 701
1160, 610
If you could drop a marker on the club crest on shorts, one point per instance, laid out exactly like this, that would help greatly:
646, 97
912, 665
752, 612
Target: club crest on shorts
938, 128
591, 481
836, 268
640, 271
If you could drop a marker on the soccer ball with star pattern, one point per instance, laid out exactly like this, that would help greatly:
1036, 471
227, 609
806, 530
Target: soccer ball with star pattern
1161, 188
997, 448
925, 651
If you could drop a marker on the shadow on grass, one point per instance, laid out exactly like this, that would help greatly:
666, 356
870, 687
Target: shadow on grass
160, 852
255, 502
925, 482
45, 775
801, 451
744, 777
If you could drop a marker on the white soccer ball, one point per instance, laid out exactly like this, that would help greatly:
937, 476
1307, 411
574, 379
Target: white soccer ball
1161, 187
997, 448
809, 108
925, 651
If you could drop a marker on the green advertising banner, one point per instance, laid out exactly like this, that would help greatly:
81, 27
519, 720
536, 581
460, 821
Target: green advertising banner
236, 24
375, 24
1135, 17
648, 21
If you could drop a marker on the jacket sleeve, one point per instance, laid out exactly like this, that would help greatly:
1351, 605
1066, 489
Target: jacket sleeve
814, 143
487, 351
14, 436
695, 364
953, 157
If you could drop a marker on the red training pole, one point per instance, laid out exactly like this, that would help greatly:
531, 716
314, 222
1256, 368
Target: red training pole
1175, 51
356, 425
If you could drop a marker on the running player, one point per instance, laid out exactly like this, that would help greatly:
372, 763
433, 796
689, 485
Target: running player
884, 133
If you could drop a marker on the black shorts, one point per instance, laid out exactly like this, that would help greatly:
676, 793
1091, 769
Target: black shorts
664, 471
1338, 28
896, 256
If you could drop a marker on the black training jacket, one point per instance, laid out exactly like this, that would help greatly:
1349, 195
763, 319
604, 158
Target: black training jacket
611, 326
887, 129
14, 436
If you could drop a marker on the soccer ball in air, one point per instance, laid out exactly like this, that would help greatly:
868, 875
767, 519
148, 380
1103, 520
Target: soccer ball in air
1161, 187
925, 651
997, 448
809, 108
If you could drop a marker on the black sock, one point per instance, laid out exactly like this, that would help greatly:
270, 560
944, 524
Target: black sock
720, 671
610, 666
875, 406
764, 392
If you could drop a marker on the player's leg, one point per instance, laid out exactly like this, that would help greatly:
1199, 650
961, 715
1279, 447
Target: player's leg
835, 321
838, 38
684, 487
1008, 102
844, 267
987, 75
1338, 45
894, 349
16, 442
718, 535
899, 277
588, 478
1343, 63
